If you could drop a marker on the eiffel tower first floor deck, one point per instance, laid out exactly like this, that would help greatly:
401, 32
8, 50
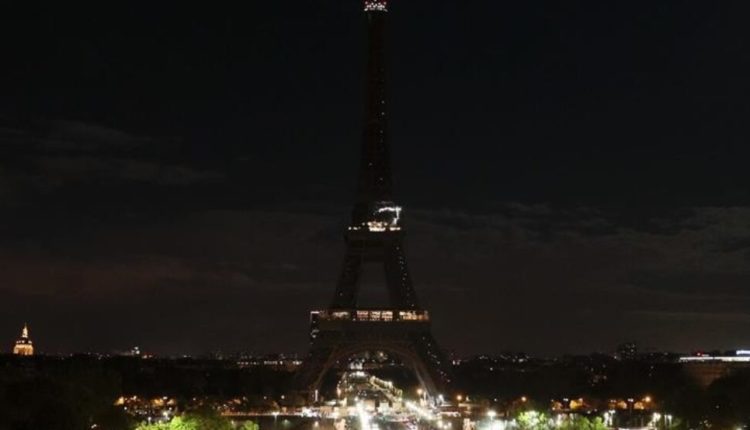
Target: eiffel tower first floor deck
338, 334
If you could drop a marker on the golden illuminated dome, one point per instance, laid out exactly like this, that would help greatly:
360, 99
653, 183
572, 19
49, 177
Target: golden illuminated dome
24, 346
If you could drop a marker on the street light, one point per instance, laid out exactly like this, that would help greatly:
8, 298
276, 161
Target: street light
609, 417
656, 417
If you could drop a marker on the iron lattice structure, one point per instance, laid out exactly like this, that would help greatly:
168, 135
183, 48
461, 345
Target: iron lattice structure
375, 237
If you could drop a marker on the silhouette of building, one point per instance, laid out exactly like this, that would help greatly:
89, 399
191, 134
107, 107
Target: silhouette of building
24, 346
375, 237
627, 351
707, 368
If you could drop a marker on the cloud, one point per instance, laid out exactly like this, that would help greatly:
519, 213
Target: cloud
86, 137
65, 170
698, 317
537, 279
67, 136
549, 265
44, 157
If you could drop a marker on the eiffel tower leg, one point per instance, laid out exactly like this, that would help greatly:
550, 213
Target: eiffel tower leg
400, 288
310, 375
435, 363
347, 288
424, 376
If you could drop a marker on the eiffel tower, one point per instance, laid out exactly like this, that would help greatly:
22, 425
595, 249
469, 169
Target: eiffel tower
374, 237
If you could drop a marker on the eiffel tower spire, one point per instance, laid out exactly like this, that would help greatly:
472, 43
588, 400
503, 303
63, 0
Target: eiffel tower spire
375, 182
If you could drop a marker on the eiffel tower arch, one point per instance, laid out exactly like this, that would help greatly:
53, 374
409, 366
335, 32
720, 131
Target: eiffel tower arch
374, 237
340, 334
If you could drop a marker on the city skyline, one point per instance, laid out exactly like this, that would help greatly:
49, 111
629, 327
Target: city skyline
185, 190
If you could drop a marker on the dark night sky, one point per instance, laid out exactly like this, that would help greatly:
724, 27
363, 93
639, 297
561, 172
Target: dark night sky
574, 172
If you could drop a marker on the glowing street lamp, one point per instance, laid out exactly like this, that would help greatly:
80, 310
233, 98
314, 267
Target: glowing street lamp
609, 417
655, 417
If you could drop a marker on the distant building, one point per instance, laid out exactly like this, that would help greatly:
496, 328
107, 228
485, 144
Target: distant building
706, 368
627, 351
24, 345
